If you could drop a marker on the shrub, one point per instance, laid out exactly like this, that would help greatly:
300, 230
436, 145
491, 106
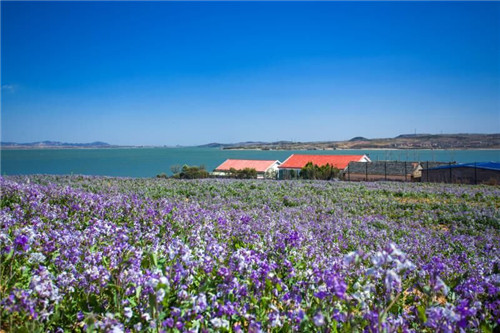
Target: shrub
246, 173
192, 172
313, 171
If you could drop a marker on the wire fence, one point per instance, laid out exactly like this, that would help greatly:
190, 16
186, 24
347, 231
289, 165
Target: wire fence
428, 171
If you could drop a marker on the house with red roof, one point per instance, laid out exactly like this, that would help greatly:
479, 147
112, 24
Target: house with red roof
292, 165
264, 168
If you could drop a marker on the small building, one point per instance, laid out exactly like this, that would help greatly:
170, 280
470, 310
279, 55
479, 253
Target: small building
465, 173
264, 168
429, 165
291, 167
383, 170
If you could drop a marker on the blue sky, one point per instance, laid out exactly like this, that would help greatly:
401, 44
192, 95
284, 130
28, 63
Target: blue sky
166, 73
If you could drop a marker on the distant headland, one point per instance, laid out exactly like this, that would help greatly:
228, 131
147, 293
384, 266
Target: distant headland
54, 144
403, 141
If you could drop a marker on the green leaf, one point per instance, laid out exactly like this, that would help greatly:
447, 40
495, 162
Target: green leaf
421, 313
152, 301
9, 255
485, 328
90, 324
23, 329
132, 301
93, 300
269, 284
154, 259
334, 326
138, 292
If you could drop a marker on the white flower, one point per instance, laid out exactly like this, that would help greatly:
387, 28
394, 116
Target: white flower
152, 283
200, 303
127, 312
160, 294
395, 251
117, 329
392, 280
378, 259
218, 322
440, 285
407, 264
372, 271
36, 258
164, 280
276, 322
350, 258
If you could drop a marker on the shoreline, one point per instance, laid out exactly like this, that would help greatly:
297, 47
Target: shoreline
375, 149
238, 149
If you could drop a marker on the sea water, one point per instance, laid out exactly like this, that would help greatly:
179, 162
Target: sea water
149, 162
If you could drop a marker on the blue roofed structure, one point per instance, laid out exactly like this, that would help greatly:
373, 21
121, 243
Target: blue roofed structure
465, 173
480, 165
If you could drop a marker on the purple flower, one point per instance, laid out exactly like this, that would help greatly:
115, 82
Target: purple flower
169, 322
22, 241
392, 281
319, 319
223, 254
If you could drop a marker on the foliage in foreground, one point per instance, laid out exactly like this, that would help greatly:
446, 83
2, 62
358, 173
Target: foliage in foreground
85, 253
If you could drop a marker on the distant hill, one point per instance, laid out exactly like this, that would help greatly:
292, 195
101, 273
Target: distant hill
359, 138
55, 144
403, 141
226, 145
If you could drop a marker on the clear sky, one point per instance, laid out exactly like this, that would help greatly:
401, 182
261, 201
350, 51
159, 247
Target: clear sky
166, 73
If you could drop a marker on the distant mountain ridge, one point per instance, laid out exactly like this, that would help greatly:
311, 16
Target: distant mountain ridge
240, 144
403, 141
55, 144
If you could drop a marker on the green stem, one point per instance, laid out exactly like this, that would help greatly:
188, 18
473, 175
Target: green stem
387, 310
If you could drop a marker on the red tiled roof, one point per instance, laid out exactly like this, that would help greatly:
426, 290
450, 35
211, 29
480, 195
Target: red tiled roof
259, 165
339, 161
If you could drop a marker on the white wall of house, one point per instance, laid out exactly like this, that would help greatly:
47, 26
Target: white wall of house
365, 159
272, 171
220, 173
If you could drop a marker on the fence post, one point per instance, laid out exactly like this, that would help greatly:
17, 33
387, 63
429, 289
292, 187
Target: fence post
406, 177
450, 172
385, 170
366, 171
475, 173
428, 171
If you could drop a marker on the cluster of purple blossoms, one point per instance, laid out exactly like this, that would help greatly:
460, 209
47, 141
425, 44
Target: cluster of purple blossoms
129, 255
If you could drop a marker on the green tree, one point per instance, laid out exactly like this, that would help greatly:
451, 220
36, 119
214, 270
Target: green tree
176, 168
246, 173
192, 172
324, 172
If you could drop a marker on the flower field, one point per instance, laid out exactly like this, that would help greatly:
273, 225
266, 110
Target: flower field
115, 254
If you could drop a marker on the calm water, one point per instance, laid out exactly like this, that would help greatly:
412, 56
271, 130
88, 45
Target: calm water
148, 162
